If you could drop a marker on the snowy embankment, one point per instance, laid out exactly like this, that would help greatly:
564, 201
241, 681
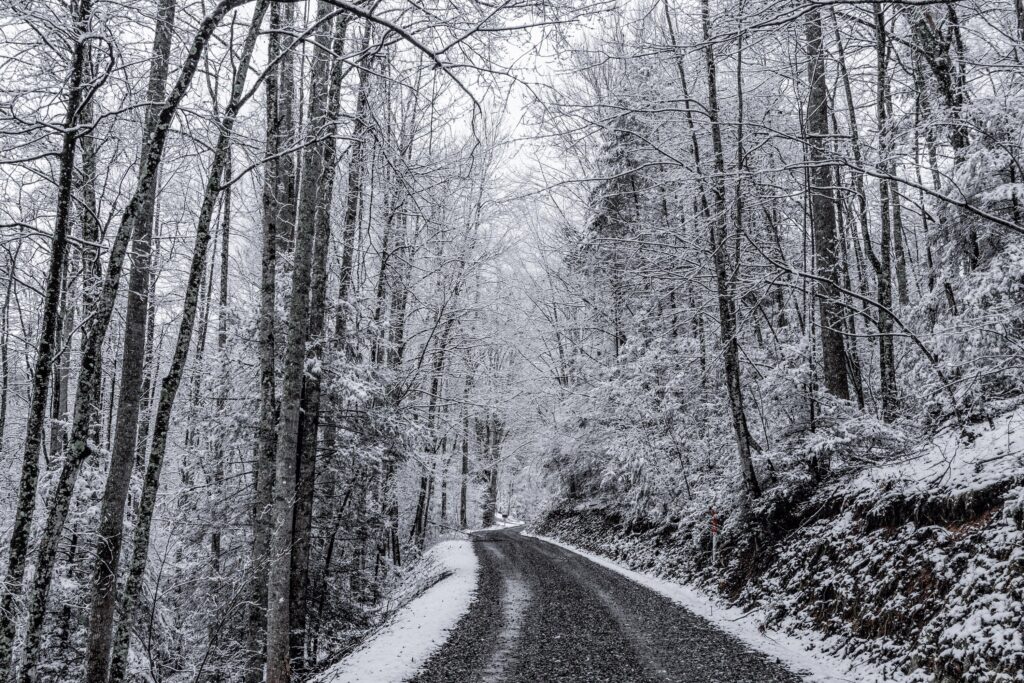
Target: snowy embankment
796, 652
404, 643
915, 565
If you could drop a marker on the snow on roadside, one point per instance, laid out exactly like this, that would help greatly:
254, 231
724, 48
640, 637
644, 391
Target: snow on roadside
405, 642
794, 651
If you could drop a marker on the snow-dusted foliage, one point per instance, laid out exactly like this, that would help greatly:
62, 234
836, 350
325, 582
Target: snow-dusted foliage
862, 485
290, 291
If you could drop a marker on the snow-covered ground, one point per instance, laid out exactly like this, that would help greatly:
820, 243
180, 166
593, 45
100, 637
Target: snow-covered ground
797, 652
406, 641
957, 461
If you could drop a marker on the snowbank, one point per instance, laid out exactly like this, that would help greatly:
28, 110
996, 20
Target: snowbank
792, 650
406, 641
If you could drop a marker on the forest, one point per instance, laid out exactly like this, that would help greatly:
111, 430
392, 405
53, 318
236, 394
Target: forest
293, 291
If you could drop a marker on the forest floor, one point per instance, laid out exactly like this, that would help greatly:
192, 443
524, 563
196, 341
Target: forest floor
545, 613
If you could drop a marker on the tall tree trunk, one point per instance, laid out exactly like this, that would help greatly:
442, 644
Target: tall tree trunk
490, 501
464, 473
150, 358
422, 519
61, 369
899, 240
5, 330
353, 194
857, 173
691, 127
315, 195
886, 354
288, 426
217, 515
941, 46
726, 300
92, 268
823, 216
266, 442
89, 375
920, 102
18, 549
95, 333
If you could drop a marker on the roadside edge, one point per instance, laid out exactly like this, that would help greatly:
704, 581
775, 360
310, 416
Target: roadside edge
403, 645
793, 650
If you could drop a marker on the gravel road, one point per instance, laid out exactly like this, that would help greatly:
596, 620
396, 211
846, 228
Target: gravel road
544, 614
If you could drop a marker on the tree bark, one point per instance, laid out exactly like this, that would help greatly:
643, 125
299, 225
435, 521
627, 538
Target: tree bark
886, 355
89, 374
464, 473
216, 514
4, 337
266, 441
315, 193
353, 194
943, 52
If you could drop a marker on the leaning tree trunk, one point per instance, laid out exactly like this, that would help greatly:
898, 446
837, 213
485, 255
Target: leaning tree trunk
18, 549
122, 455
172, 381
89, 373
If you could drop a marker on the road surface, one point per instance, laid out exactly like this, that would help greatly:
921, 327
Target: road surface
545, 614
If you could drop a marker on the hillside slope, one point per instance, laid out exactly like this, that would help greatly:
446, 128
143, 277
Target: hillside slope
917, 564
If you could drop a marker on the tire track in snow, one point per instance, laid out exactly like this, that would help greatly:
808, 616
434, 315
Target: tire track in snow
515, 598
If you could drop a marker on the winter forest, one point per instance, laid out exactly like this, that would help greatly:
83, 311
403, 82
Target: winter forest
295, 295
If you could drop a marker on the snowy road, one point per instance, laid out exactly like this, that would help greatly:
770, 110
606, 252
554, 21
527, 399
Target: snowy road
544, 613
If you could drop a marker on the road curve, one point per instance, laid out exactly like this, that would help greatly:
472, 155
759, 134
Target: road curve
543, 613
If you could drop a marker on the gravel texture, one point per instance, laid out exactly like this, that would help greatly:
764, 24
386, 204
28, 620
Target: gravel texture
543, 613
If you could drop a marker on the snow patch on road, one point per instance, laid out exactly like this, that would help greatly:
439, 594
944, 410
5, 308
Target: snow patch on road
500, 523
796, 652
405, 642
